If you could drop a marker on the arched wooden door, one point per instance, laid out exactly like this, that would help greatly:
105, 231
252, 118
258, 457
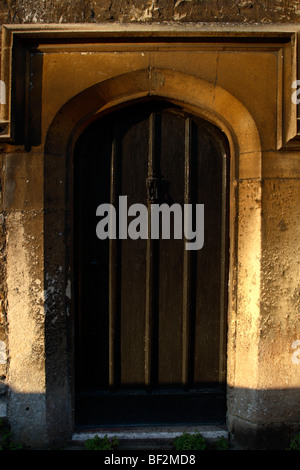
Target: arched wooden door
151, 315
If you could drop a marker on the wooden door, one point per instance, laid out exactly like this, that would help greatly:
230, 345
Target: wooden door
151, 315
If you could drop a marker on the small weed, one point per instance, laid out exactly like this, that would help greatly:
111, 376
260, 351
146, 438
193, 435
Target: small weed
190, 442
295, 442
221, 444
103, 443
6, 442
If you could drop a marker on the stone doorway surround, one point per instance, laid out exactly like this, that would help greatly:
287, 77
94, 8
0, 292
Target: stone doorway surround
60, 78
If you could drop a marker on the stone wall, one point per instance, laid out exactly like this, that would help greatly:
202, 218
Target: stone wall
89, 11
3, 320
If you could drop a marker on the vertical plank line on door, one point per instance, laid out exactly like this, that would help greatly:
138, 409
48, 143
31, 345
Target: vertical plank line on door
223, 267
149, 263
112, 272
186, 261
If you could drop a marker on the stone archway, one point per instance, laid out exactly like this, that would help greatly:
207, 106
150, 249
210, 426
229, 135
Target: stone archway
199, 96
220, 108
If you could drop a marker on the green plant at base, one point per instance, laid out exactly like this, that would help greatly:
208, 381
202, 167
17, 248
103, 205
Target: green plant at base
222, 444
295, 442
6, 442
190, 442
104, 443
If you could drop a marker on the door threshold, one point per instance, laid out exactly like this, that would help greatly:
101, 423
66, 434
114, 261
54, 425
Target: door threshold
148, 437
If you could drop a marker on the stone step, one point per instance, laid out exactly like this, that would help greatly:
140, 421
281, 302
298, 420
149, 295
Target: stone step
147, 438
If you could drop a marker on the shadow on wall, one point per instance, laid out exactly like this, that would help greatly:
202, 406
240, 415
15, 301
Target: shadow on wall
31, 417
271, 422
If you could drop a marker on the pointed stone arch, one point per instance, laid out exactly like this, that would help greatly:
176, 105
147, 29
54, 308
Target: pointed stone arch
216, 105
201, 97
